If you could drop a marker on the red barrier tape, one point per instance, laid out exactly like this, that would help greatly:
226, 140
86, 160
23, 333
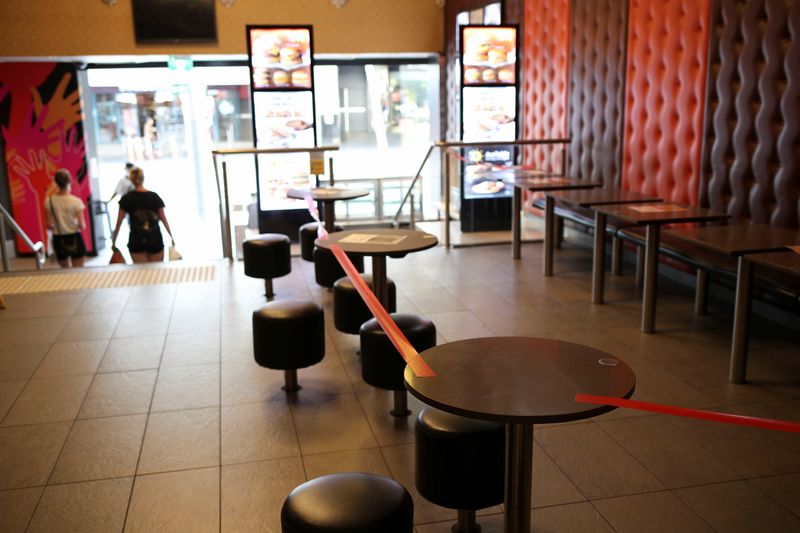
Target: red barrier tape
712, 416
407, 352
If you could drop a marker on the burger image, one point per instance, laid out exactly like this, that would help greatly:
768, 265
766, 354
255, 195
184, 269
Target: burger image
497, 55
472, 75
505, 75
477, 49
261, 77
301, 78
489, 75
280, 77
290, 55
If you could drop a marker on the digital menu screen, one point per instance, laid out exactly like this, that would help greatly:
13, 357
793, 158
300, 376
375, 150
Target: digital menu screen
489, 55
284, 119
481, 180
280, 58
489, 114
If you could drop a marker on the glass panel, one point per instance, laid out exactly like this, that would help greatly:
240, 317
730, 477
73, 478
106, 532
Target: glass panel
493, 14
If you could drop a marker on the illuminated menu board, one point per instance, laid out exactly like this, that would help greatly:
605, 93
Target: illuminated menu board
280, 58
489, 55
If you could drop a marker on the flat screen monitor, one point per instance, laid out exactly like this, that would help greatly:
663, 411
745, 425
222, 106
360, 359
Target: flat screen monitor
174, 21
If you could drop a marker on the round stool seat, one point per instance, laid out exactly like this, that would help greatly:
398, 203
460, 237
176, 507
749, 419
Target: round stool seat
267, 256
459, 461
381, 364
349, 309
307, 234
348, 503
327, 269
287, 335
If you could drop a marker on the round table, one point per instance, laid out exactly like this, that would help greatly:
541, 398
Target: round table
379, 244
327, 196
519, 381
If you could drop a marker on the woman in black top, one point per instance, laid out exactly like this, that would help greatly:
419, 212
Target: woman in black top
144, 208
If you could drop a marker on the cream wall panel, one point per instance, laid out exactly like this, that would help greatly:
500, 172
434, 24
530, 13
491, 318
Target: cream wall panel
89, 27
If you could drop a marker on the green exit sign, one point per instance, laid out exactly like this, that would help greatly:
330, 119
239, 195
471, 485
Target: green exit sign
180, 63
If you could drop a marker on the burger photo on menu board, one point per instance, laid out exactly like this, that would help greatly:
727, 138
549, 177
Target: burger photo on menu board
489, 55
280, 57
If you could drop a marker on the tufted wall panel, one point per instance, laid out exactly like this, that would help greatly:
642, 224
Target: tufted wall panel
752, 153
667, 57
545, 38
596, 88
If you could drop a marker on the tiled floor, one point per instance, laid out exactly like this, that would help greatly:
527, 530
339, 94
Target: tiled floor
141, 409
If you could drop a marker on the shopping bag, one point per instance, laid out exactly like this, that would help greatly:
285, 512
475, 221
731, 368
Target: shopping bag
174, 254
116, 256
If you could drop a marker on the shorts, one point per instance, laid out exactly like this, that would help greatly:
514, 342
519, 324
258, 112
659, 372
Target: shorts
67, 246
146, 243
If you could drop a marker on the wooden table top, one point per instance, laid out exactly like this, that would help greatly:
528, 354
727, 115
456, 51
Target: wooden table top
520, 379
788, 261
738, 239
545, 183
661, 213
379, 241
327, 194
602, 196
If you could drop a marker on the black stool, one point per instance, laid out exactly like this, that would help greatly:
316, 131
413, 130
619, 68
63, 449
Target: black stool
349, 502
307, 235
287, 335
459, 463
267, 256
381, 364
327, 269
349, 309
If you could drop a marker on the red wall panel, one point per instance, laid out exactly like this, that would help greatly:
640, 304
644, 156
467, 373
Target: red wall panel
665, 94
545, 53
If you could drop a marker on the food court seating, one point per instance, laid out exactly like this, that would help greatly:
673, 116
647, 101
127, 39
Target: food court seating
327, 269
349, 309
267, 256
307, 234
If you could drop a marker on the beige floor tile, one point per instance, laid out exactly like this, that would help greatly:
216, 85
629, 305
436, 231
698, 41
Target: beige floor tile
257, 432
777, 410
388, 429
9, 391
180, 440
253, 493
784, 489
738, 507
16, 508
550, 485
28, 331
139, 323
41, 305
597, 465
331, 424
248, 383
400, 460
100, 448
655, 512
121, 393
674, 457
488, 523
478, 296
48, 400
28, 453
198, 319
458, 325
577, 517
93, 326
325, 378
151, 297
369, 460
432, 301
186, 387
656, 385
134, 353
105, 301
92, 506
71, 359
19, 361
195, 348
175, 502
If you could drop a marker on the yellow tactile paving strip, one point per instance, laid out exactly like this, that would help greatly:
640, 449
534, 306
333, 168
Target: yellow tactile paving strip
86, 279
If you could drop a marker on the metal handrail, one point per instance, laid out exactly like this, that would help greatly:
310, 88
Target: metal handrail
222, 189
465, 144
37, 247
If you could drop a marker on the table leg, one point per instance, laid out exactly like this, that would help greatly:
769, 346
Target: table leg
598, 268
616, 256
741, 314
519, 464
379, 280
516, 224
701, 293
650, 278
549, 230
328, 213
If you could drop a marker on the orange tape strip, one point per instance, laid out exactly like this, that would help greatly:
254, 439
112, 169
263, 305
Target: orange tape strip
764, 423
407, 352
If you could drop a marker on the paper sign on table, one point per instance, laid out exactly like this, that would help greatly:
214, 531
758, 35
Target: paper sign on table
660, 208
371, 238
